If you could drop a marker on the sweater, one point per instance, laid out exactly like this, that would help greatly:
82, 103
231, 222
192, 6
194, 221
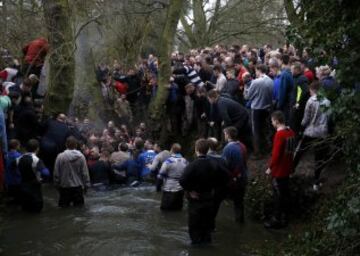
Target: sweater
71, 170
234, 154
281, 162
171, 171
260, 93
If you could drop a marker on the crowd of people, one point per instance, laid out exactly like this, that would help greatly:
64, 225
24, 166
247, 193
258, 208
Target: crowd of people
242, 102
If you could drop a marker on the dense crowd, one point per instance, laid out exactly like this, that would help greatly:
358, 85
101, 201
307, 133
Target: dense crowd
242, 102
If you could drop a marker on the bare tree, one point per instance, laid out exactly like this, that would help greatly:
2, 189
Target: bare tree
206, 23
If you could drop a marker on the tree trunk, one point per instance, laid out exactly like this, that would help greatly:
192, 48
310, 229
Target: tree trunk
165, 47
62, 64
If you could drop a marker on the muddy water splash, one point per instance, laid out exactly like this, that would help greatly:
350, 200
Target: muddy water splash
126, 221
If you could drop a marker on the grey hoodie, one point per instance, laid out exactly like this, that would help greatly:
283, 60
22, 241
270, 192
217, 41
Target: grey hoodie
71, 170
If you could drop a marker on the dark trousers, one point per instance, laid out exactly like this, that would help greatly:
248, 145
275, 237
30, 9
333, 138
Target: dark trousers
260, 120
219, 196
31, 197
202, 128
172, 201
236, 194
71, 195
321, 150
281, 197
14, 192
245, 134
200, 220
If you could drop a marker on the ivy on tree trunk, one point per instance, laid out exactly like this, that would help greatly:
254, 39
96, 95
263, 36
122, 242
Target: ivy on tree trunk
62, 63
165, 46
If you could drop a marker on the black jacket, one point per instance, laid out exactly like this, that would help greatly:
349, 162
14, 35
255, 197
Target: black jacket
204, 175
231, 112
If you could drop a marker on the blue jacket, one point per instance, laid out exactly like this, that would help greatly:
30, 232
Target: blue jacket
276, 89
12, 174
235, 159
3, 135
144, 159
285, 89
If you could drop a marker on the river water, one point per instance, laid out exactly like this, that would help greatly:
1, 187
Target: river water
125, 221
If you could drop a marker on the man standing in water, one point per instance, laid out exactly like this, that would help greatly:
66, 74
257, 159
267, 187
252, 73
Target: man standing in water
71, 175
200, 179
234, 154
171, 171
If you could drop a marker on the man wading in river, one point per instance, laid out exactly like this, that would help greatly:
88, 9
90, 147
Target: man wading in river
201, 179
171, 171
71, 175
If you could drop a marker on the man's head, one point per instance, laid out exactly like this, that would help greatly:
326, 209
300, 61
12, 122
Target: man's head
229, 63
138, 143
314, 87
111, 124
105, 154
32, 146
213, 144
189, 88
61, 118
238, 62
123, 147
285, 59
274, 65
217, 70
230, 133
26, 85
230, 73
71, 143
149, 144
323, 71
34, 79
296, 68
306, 53
261, 69
157, 148
277, 119
14, 144
201, 147
176, 148
213, 96
142, 126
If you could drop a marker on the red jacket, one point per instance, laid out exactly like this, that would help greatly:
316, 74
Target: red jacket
35, 52
120, 87
281, 162
242, 71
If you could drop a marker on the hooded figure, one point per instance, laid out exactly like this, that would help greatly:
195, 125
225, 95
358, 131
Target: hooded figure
71, 175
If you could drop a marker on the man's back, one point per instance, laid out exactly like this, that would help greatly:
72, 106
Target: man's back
260, 93
235, 158
231, 111
71, 170
201, 176
119, 157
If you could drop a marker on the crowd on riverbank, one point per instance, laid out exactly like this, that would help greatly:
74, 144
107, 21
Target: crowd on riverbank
241, 102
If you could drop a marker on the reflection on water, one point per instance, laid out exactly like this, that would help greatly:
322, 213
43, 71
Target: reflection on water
126, 221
